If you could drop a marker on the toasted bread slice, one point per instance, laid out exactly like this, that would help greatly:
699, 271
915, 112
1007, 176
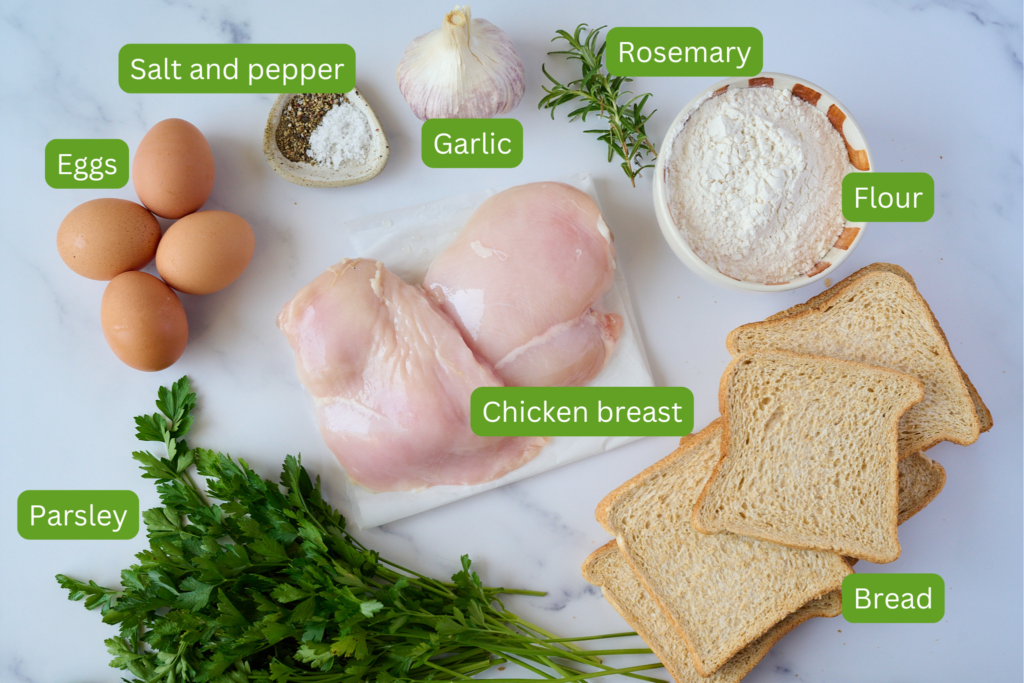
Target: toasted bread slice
921, 479
880, 319
809, 454
980, 409
607, 567
719, 592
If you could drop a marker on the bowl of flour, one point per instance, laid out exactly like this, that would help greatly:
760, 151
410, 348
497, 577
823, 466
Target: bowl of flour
748, 187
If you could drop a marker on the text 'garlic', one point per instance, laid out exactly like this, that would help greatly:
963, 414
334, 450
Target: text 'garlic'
468, 68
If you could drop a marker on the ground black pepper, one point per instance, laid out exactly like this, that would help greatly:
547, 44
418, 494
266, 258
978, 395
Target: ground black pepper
300, 118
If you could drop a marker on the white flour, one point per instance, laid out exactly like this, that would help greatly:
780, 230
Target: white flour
755, 184
342, 136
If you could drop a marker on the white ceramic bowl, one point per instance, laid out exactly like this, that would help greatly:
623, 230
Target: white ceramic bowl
311, 175
860, 157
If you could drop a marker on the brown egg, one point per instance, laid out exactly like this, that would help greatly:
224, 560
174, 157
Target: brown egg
173, 169
105, 237
143, 321
205, 252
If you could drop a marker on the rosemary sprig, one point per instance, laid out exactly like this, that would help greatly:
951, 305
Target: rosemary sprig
599, 93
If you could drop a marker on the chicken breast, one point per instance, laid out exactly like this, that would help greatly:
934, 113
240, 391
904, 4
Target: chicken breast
522, 282
392, 377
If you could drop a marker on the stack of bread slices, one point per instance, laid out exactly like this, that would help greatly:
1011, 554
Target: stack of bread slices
750, 526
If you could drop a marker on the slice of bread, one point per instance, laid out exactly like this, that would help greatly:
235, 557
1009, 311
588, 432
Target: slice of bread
719, 592
980, 409
607, 567
880, 319
921, 479
819, 299
809, 454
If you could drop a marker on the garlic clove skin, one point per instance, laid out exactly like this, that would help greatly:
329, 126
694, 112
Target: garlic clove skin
468, 68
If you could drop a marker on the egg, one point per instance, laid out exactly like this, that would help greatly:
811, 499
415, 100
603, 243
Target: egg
205, 251
173, 169
143, 321
103, 238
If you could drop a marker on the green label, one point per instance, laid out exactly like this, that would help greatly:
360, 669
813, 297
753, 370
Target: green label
78, 515
581, 411
472, 143
231, 68
893, 197
894, 598
86, 164
690, 51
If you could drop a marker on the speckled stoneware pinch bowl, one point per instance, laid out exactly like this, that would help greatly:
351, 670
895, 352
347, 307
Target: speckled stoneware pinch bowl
842, 121
311, 175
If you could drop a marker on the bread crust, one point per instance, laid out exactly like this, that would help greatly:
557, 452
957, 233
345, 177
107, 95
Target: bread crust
824, 296
917, 504
823, 302
708, 527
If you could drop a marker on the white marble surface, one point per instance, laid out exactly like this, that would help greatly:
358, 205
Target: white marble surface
935, 85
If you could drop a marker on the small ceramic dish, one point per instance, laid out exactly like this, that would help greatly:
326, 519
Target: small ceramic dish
842, 121
312, 175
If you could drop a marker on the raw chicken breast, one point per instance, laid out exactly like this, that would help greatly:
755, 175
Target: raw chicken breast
567, 355
392, 378
522, 280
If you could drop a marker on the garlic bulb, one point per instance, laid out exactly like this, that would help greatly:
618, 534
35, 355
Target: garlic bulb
468, 68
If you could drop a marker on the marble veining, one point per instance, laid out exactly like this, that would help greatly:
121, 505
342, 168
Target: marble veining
936, 86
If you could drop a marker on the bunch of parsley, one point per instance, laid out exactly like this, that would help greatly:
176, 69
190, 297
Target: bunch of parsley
267, 585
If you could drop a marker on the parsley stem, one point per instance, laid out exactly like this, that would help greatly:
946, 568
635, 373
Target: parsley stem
607, 635
640, 677
519, 591
522, 623
584, 676
624, 651
528, 667
447, 671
